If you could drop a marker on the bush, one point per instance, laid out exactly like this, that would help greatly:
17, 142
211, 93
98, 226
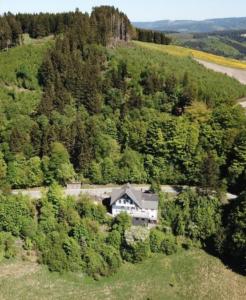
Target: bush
156, 238
114, 239
112, 258
136, 244
95, 264
15, 213
122, 222
169, 245
7, 245
87, 209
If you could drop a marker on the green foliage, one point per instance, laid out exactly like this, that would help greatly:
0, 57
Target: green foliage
16, 215
22, 172
228, 43
169, 245
230, 241
7, 246
3, 168
122, 222
152, 37
125, 114
59, 167
87, 209
119, 116
137, 246
114, 239
194, 214
156, 238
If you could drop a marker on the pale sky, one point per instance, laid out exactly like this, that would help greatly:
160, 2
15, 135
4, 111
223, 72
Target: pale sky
137, 10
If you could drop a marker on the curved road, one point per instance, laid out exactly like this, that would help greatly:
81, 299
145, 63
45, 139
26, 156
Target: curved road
238, 74
101, 192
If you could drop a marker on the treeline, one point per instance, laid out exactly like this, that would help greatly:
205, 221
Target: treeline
10, 31
106, 25
152, 36
237, 35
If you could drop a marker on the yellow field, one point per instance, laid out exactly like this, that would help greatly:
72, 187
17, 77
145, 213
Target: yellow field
181, 51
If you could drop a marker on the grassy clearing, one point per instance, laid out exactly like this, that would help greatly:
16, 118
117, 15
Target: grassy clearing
187, 275
27, 40
18, 96
27, 58
186, 52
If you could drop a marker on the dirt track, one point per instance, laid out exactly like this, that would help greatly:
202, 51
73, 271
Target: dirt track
238, 74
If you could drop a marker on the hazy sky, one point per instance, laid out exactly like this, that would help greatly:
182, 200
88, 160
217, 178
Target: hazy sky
138, 10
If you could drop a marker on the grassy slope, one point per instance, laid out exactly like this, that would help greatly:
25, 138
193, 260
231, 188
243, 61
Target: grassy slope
213, 45
13, 97
185, 52
217, 85
187, 275
28, 56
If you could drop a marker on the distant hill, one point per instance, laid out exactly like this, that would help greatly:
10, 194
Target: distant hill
230, 43
195, 26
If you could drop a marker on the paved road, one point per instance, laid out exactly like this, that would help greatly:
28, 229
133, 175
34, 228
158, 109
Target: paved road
238, 74
100, 192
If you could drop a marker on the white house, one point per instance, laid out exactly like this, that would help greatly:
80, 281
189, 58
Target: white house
143, 207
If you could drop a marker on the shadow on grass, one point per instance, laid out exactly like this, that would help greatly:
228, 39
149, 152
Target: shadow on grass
231, 263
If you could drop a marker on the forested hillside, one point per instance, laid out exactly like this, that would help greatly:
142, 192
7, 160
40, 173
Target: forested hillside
87, 104
226, 43
105, 25
81, 111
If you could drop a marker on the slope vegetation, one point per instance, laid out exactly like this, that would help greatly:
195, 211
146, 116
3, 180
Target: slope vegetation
189, 275
185, 52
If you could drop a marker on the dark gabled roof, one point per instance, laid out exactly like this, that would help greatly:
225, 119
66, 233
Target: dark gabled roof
142, 200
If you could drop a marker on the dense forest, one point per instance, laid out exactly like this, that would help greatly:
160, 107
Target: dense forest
105, 25
119, 115
151, 36
76, 108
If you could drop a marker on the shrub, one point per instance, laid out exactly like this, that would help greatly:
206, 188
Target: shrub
15, 213
87, 209
122, 222
95, 264
114, 239
7, 245
156, 238
136, 244
168, 245
112, 257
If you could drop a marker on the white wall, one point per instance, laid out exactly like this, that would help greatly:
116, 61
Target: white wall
122, 205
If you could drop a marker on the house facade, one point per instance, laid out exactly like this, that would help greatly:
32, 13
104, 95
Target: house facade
141, 206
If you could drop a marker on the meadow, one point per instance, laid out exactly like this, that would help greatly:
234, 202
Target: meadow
186, 275
186, 52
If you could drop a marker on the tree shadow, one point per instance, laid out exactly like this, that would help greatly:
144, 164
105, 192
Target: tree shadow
231, 263
106, 203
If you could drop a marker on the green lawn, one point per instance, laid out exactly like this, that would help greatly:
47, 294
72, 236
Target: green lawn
186, 275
